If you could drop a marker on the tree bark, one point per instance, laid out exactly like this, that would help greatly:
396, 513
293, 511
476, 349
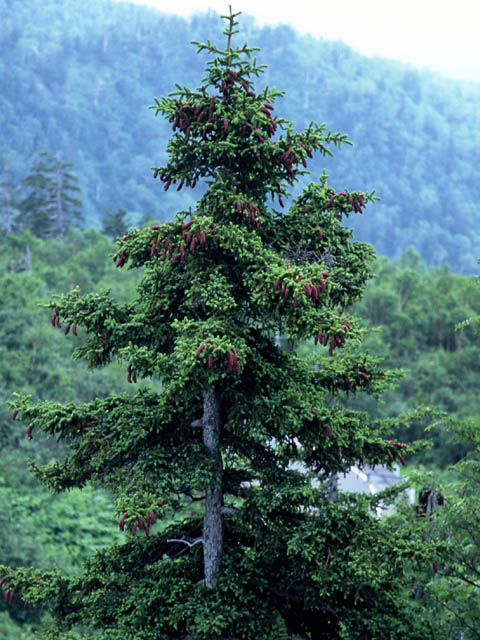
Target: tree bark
213, 520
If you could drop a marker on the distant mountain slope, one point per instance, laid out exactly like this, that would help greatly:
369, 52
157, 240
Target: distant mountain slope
77, 79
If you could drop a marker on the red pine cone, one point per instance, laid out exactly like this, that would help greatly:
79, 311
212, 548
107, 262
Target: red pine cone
121, 522
210, 108
29, 432
200, 349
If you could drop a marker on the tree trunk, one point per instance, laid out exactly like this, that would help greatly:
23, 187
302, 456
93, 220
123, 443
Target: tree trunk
27, 260
213, 521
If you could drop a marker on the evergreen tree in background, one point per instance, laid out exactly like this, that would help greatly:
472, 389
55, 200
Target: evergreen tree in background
50, 206
115, 223
9, 196
242, 445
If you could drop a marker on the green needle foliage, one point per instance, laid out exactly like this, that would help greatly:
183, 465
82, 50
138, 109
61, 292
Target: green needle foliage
224, 479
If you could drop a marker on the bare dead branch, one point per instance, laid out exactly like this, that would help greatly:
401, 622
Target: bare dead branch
187, 542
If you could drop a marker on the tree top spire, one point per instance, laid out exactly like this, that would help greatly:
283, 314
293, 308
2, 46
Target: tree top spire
229, 31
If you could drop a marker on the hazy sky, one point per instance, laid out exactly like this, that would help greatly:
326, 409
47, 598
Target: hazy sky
443, 35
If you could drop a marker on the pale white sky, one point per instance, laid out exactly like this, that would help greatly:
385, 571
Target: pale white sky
443, 35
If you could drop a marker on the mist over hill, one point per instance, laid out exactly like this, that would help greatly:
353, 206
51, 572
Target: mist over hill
77, 79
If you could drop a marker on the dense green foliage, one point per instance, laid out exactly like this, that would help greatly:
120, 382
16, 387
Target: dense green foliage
36, 359
39, 528
416, 312
43, 365
251, 433
76, 78
453, 596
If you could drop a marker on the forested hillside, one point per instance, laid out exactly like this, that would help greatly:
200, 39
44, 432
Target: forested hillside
77, 79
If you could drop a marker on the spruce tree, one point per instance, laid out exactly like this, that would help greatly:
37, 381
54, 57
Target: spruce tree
9, 196
114, 223
51, 205
223, 479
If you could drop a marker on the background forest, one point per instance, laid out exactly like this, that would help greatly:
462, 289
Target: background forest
77, 79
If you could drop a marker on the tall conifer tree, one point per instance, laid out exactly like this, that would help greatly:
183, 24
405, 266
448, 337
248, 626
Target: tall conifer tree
9, 196
51, 205
223, 479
